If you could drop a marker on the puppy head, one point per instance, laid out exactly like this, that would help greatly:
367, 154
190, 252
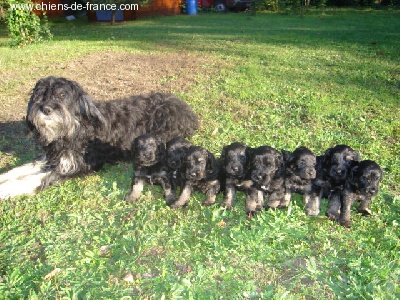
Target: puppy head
337, 162
235, 159
266, 164
147, 150
56, 108
302, 163
365, 177
176, 152
199, 163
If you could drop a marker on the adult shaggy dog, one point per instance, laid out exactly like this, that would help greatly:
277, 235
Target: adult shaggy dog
79, 134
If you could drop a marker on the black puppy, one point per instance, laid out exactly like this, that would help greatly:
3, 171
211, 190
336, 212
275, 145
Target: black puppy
235, 161
299, 174
360, 186
176, 156
332, 169
202, 174
149, 157
267, 175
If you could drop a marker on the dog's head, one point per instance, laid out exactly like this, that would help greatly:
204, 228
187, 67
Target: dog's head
147, 150
235, 160
56, 109
176, 152
365, 176
266, 164
337, 162
199, 163
301, 162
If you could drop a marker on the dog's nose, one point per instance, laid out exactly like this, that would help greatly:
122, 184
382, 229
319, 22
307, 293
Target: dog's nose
46, 110
235, 168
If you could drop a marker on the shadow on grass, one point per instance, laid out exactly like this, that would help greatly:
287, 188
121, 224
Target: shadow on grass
15, 142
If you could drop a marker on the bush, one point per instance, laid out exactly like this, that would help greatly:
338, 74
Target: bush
24, 26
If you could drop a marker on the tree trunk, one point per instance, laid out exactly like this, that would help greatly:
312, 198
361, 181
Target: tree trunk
113, 16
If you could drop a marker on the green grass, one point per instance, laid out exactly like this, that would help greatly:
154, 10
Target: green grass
283, 80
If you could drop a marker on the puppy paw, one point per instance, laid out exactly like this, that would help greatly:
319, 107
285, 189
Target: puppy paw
176, 205
365, 212
208, 203
332, 216
312, 212
170, 200
226, 204
131, 198
345, 223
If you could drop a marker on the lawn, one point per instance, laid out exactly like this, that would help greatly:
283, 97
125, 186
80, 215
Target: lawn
320, 79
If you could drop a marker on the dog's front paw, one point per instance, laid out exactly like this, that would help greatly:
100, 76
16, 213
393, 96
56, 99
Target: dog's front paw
170, 199
312, 212
333, 216
177, 204
365, 212
226, 204
132, 197
208, 202
345, 223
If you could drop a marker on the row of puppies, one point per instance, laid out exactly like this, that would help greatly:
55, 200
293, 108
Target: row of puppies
268, 177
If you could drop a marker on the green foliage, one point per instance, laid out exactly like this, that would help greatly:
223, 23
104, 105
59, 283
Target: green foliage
24, 26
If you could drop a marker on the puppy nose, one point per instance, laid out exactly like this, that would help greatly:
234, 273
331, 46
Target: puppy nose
235, 168
260, 177
46, 110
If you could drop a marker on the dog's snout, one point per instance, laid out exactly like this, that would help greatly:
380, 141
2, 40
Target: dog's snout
46, 110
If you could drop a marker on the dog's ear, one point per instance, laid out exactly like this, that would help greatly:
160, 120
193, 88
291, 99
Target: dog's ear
287, 156
223, 154
161, 149
280, 162
89, 110
211, 162
249, 153
355, 155
352, 177
133, 149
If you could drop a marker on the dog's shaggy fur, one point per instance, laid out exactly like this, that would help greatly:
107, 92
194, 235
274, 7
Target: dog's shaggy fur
235, 161
177, 149
267, 175
80, 135
300, 171
332, 169
202, 173
149, 158
361, 185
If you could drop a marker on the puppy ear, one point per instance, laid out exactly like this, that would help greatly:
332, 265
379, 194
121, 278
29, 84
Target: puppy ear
249, 153
356, 156
281, 165
287, 156
352, 177
223, 154
211, 162
161, 149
